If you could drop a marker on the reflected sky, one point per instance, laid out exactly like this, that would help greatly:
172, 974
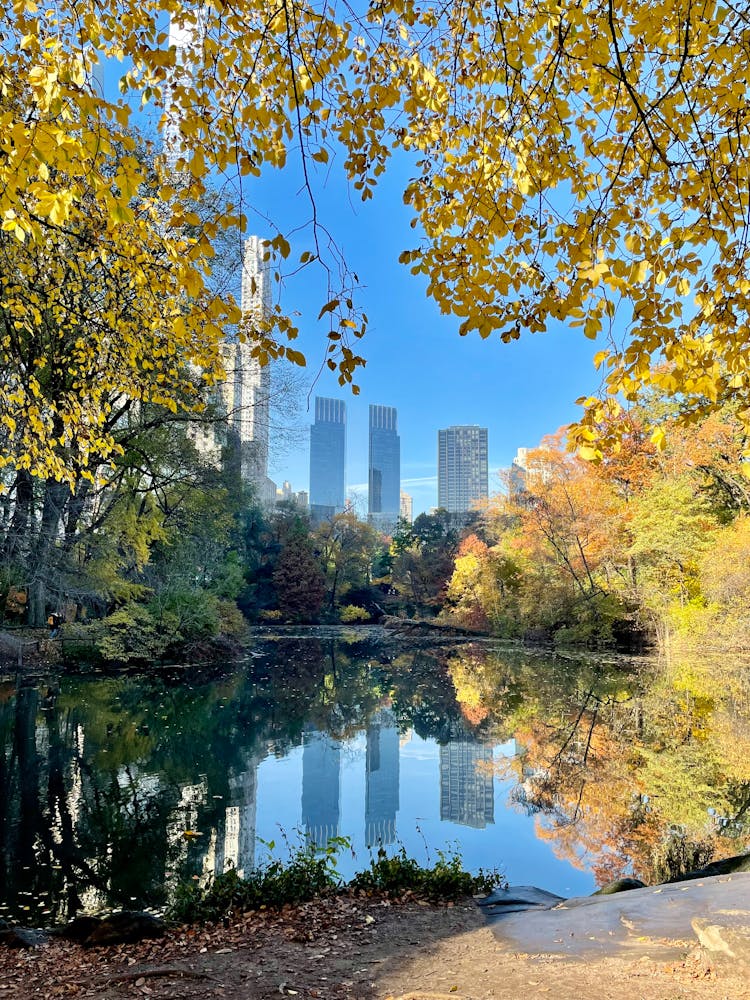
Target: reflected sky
506, 840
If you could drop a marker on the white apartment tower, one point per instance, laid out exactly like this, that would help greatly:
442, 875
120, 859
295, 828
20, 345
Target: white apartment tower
244, 396
185, 36
247, 390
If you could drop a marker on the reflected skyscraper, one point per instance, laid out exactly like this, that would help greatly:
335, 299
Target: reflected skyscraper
232, 845
384, 498
321, 787
382, 779
239, 820
466, 781
327, 459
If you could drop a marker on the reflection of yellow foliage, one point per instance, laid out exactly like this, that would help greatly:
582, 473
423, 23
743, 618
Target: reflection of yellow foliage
467, 673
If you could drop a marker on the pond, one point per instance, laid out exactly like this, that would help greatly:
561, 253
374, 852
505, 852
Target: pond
561, 771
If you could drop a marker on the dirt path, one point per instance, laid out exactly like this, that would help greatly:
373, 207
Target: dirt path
346, 948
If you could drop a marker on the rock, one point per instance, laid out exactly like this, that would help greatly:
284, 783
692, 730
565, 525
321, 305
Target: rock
13, 936
516, 899
723, 938
659, 922
124, 927
619, 885
79, 928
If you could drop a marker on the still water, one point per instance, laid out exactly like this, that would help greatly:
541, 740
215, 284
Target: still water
560, 772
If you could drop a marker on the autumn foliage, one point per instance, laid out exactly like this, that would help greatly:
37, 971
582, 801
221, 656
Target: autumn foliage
648, 544
576, 163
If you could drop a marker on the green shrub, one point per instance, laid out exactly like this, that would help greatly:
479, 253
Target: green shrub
352, 613
447, 879
310, 872
186, 614
271, 615
231, 620
129, 635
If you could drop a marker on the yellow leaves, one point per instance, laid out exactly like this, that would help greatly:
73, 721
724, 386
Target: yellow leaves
659, 438
599, 358
197, 164
638, 271
329, 307
193, 282
19, 228
594, 273
295, 357
500, 114
55, 205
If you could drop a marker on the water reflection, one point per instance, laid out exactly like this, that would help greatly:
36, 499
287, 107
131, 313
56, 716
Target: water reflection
466, 780
321, 787
382, 778
112, 789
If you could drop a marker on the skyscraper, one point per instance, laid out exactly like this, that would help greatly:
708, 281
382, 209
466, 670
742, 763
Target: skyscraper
327, 459
384, 499
246, 392
186, 35
407, 507
462, 467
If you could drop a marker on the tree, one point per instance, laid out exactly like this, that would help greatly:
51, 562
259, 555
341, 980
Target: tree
423, 556
671, 525
346, 547
95, 320
483, 589
562, 531
298, 578
583, 163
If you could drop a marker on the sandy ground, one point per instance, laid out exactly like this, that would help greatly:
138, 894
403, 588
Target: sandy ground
350, 947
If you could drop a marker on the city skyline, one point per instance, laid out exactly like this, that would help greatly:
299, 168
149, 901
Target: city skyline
461, 477
416, 360
519, 390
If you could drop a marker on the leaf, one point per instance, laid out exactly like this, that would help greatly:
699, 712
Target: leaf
329, 307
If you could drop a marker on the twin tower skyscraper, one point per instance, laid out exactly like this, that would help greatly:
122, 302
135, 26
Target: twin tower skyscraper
328, 463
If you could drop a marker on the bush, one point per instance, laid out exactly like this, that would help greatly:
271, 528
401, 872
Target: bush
447, 879
352, 613
231, 620
129, 635
310, 873
186, 614
271, 615
307, 874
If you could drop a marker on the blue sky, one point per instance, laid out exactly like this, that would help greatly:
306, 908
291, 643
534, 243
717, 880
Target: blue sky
416, 360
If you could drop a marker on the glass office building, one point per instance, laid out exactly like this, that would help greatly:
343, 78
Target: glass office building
327, 459
462, 468
384, 499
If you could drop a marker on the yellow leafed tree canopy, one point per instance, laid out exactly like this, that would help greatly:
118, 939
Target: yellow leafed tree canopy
578, 161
